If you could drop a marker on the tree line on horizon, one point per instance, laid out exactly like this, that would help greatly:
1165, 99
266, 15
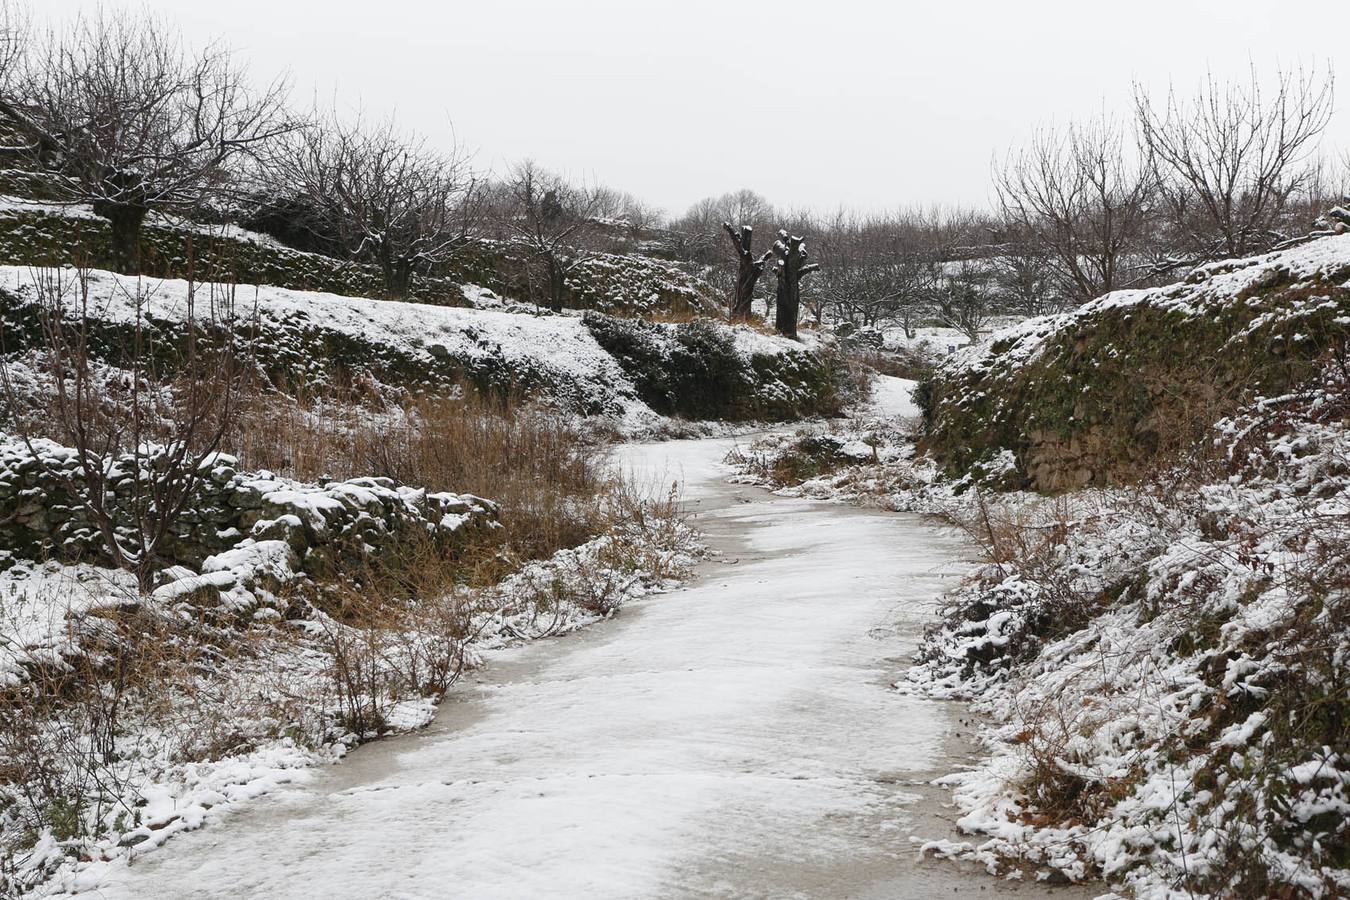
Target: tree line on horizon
128, 120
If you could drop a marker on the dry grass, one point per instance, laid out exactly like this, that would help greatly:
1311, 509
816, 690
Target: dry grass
546, 474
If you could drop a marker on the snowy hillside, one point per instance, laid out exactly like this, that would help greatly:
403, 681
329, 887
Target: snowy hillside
1082, 397
302, 337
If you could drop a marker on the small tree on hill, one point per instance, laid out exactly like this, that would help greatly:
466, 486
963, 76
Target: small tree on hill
554, 221
143, 450
388, 198
749, 269
791, 267
965, 298
135, 124
1232, 159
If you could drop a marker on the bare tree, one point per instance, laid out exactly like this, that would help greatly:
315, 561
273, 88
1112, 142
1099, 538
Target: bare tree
142, 456
698, 231
1080, 195
964, 298
791, 267
1024, 279
387, 197
869, 268
1231, 159
134, 123
554, 220
13, 41
748, 271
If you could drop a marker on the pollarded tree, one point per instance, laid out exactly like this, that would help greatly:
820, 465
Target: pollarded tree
388, 198
749, 268
134, 123
791, 267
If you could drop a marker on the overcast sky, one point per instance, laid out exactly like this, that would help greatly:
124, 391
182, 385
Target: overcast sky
871, 104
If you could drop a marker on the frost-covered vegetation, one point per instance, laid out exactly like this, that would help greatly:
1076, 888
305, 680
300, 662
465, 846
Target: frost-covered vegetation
287, 619
1100, 393
1161, 652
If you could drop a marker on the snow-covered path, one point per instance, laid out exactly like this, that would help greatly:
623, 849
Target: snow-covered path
736, 738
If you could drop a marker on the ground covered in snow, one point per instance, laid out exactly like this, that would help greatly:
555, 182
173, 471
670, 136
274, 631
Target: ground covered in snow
626, 371
1164, 666
735, 738
128, 718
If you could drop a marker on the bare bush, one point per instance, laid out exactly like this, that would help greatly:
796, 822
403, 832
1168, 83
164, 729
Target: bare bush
143, 455
544, 472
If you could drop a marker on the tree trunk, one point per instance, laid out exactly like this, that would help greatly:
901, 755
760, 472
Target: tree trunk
125, 222
400, 283
792, 266
396, 272
557, 285
789, 301
748, 270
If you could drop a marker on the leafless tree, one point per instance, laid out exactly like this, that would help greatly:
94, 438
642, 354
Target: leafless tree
555, 221
389, 198
748, 271
871, 269
141, 456
698, 232
1084, 198
13, 41
889, 267
790, 267
1024, 279
1233, 158
134, 122
965, 298
627, 211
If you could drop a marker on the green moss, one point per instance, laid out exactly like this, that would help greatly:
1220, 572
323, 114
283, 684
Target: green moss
1123, 384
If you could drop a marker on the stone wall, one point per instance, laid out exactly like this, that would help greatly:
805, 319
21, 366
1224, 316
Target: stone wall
43, 235
237, 523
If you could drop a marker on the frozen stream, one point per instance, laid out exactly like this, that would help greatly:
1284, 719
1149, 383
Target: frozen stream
736, 738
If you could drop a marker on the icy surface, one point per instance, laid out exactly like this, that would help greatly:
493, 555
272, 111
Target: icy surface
737, 738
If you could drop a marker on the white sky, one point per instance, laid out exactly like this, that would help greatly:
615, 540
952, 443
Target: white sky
868, 104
